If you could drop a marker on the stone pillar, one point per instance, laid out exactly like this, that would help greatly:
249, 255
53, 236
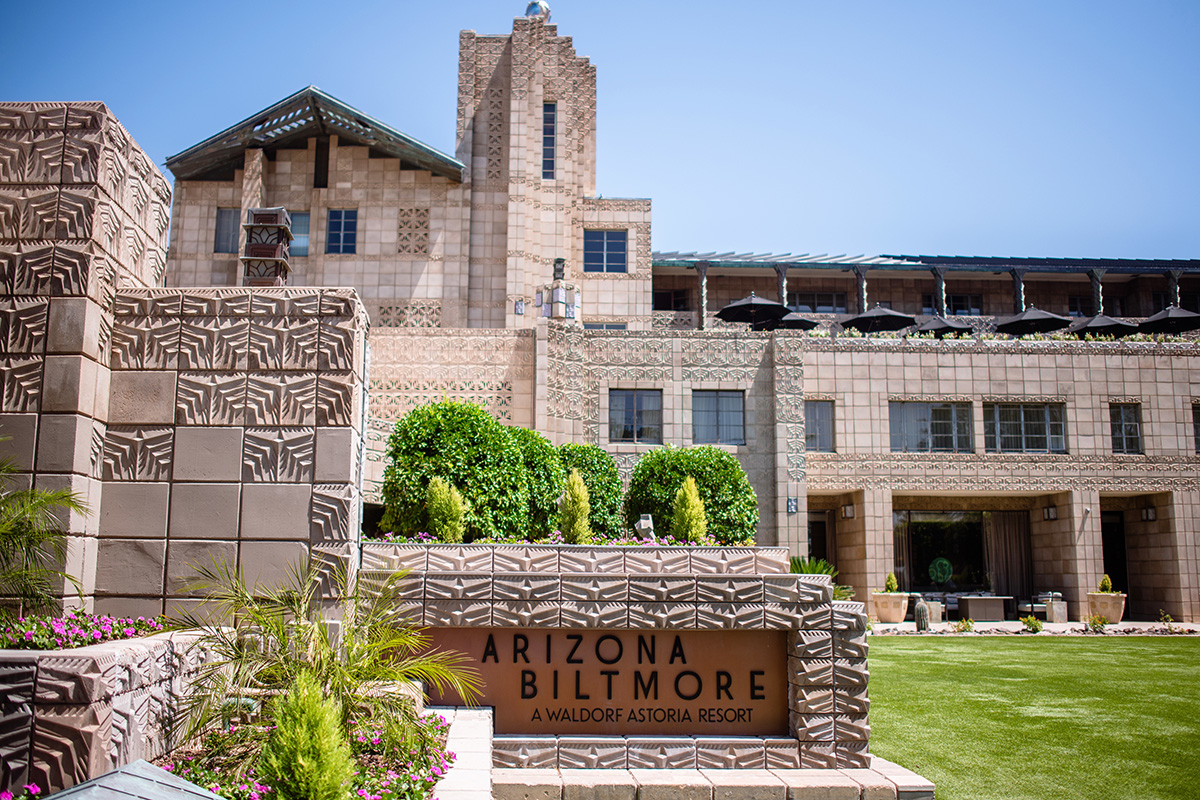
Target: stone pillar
1097, 290
939, 290
864, 541
702, 272
1018, 277
1068, 552
252, 196
791, 493
860, 272
1173, 277
781, 271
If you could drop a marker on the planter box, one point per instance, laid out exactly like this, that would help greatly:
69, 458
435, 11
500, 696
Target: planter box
1109, 606
889, 606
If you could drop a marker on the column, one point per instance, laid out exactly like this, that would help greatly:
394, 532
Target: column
1173, 277
702, 272
252, 197
939, 290
1097, 290
860, 272
781, 271
1018, 276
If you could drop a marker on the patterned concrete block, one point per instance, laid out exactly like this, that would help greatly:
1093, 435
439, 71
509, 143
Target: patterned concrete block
850, 644
211, 398
849, 616
525, 614
278, 455
745, 784
746, 753
810, 672
855, 755
852, 728
851, 699
810, 644
657, 588
850, 673
524, 752
661, 753
458, 586
786, 616
525, 586
772, 560
585, 752
18, 673
662, 615
812, 727
459, 558
137, 453
593, 615
610, 560
525, 558
70, 743
797, 589
811, 699
722, 560
729, 589
394, 557
782, 753
729, 616
669, 560
592, 587
457, 613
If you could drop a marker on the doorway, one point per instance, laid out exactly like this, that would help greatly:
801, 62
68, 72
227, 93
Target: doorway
1116, 559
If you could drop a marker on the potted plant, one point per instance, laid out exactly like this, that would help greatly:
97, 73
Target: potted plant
1104, 602
891, 604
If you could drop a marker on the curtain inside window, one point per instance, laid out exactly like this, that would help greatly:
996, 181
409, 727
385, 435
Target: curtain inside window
1010, 563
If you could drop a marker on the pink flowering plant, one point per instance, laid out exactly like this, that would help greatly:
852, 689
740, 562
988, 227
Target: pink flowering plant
392, 769
26, 792
73, 629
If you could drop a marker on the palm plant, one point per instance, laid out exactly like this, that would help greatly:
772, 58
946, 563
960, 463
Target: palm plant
349, 634
819, 566
32, 542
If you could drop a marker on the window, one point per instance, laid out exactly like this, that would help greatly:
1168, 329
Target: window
1079, 305
1024, 428
635, 415
817, 302
226, 239
930, 427
1126, 421
670, 300
604, 326
343, 230
549, 117
818, 426
300, 233
718, 417
1188, 301
604, 251
958, 305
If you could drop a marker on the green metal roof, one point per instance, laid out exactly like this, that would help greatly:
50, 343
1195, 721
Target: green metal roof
309, 112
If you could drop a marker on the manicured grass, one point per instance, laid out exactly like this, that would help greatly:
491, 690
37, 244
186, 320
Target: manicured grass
1031, 718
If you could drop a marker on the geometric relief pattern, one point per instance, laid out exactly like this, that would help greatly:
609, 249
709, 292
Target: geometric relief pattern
282, 343
412, 234
144, 343
415, 314
337, 346
332, 507
22, 325
278, 455
136, 453
336, 399
213, 343
210, 398
20, 383
280, 398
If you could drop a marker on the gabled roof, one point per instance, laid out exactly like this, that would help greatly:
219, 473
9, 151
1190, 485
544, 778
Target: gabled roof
137, 781
309, 112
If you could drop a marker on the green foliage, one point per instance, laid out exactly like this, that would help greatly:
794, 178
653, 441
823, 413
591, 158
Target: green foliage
688, 520
819, 566
306, 757
468, 448
731, 505
261, 641
546, 478
1096, 623
964, 625
890, 584
575, 510
32, 542
603, 481
1032, 624
446, 510
1105, 584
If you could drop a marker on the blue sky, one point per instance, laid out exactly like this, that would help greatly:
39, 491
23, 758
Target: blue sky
1025, 127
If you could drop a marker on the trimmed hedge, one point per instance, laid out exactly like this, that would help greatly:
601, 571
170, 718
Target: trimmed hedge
603, 482
546, 477
729, 501
463, 444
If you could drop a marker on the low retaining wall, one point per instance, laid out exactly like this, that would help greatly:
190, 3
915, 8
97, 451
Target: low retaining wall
67, 716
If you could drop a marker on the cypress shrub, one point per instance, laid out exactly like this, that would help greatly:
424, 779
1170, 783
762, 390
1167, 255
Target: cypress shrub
575, 510
306, 756
599, 473
688, 523
463, 444
546, 476
729, 500
447, 511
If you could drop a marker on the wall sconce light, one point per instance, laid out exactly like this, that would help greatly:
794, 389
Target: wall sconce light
1149, 514
519, 307
793, 505
848, 511
1050, 512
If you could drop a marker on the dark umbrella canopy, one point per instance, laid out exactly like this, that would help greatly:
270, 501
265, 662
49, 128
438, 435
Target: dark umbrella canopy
879, 319
1171, 319
1103, 325
792, 321
1032, 320
752, 309
940, 326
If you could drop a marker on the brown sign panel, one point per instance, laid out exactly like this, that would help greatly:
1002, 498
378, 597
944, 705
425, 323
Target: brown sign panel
628, 683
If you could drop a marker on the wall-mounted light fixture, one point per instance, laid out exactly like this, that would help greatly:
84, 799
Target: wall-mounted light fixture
519, 307
848, 511
1149, 514
1050, 512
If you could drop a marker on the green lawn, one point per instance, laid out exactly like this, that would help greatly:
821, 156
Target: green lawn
1034, 718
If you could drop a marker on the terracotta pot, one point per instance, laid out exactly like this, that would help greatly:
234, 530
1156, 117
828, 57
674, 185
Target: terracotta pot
1111, 606
889, 606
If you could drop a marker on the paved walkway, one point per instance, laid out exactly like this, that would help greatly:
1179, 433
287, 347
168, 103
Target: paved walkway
473, 778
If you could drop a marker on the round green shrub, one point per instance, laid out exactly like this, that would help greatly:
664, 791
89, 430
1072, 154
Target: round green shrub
729, 501
603, 482
464, 445
546, 476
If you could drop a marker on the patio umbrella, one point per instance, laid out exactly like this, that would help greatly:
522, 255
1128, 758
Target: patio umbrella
753, 309
1103, 325
879, 319
1171, 319
1031, 320
940, 326
792, 321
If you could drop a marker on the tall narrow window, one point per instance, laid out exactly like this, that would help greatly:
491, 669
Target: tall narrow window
1024, 428
225, 239
299, 233
718, 417
1126, 422
342, 235
635, 415
930, 427
1196, 426
549, 118
818, 426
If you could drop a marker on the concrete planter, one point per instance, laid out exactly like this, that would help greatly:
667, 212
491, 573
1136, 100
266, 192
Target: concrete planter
889, 606
1110, 605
